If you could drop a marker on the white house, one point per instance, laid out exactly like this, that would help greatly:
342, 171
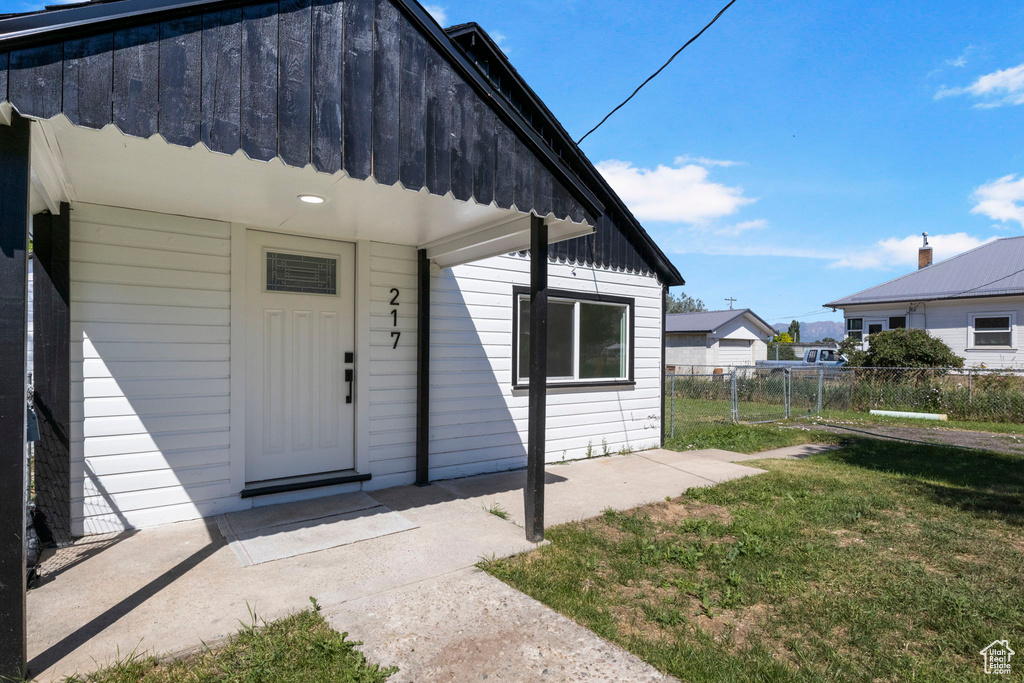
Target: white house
973, 301
728, 338
281, 251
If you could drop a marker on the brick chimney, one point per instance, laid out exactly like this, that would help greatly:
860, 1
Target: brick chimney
924, 254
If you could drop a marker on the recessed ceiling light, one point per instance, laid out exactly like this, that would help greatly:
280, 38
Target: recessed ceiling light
311, 199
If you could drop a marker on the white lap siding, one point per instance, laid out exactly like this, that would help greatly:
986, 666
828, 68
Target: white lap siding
478, 422
149, 368
392, 395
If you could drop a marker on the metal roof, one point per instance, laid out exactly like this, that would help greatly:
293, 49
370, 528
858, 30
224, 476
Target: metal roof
707, 321
995, 268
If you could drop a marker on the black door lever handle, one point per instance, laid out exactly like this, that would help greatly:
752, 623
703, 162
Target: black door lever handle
348, 378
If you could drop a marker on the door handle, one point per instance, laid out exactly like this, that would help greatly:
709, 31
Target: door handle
348, 378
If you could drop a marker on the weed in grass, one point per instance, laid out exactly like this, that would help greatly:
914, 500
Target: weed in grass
604, 447
498, 511
590, 449
664, 616
296, 649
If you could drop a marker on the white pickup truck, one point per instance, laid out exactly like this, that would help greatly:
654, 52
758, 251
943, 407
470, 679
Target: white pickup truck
812, 357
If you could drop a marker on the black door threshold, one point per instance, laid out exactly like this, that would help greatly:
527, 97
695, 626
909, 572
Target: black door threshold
268, 489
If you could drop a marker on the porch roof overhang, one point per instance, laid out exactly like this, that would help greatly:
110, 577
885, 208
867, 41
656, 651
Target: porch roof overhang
389, 98
74, 164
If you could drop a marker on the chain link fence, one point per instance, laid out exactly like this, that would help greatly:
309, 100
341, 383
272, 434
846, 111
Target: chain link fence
766, 394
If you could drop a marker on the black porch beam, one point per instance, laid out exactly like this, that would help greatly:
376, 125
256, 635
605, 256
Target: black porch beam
51, 314
538, 380
423, 370
14, 208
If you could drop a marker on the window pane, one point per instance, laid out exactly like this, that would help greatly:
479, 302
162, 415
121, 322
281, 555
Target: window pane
603, 341
304, 274
997, 323
898, 322
854, 324
991, 338
560, 339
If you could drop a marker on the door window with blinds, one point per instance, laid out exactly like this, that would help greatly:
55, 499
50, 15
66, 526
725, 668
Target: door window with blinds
590, 338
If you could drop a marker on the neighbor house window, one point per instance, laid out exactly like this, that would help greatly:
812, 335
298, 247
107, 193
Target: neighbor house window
589, 338
898, 322
992, 329
855, 328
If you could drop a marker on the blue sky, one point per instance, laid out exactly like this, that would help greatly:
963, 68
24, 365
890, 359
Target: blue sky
795, 152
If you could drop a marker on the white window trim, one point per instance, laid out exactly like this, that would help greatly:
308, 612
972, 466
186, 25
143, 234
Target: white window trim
575, 379
1012, 315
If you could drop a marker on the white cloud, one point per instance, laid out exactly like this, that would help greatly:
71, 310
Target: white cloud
705, 161
961, 59
901, 252
439, 13
994, 89
680, 193
737, 229
1001, 199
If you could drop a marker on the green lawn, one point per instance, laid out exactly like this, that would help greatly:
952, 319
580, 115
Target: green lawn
743, 438
300, 648
844, 416
880, 561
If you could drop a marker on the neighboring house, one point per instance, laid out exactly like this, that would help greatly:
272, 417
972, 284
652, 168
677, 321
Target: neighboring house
730, 338
294, 238
973, 301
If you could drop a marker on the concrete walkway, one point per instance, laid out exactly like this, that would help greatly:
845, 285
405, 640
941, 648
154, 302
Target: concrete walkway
412, 597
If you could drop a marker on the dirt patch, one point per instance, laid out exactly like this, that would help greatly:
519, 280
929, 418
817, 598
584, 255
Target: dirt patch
676, 510
847, 538
990, 441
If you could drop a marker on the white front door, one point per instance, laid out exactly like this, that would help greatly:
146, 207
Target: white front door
300, 314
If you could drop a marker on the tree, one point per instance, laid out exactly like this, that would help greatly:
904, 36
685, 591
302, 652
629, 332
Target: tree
779, 347
901, 348
794, 331
828, 340
684, 304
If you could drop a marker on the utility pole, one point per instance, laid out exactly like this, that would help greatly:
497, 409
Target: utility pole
731, 300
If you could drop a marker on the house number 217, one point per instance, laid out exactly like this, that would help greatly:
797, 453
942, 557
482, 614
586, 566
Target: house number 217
395, 334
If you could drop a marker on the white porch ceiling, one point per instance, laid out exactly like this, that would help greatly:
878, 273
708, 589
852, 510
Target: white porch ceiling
107, 167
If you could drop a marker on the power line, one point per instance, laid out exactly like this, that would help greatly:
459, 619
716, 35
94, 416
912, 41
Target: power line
651, 77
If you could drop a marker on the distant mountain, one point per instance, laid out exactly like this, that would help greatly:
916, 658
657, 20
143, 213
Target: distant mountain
816, 331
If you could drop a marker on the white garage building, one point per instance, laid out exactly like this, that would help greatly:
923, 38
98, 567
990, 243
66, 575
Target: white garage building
724, 339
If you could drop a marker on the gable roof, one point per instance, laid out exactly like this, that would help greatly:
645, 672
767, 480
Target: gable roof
995, 268
706, 322
550, 172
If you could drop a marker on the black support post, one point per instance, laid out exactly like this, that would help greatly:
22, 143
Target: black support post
423, 371
538, 380
14, 203
51, 288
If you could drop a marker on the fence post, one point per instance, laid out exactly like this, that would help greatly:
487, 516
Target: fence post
672, 417
734, 408
787, 391
821, 384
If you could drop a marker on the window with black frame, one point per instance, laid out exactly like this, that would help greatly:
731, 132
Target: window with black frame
855, 328
588, 339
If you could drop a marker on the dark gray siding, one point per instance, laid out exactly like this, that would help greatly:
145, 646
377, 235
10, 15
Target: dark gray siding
347, 85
